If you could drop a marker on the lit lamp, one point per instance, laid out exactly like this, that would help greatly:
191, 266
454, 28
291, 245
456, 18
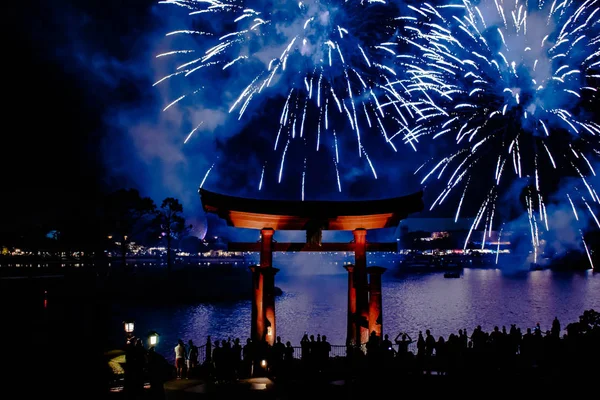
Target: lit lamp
128, 326
153, 339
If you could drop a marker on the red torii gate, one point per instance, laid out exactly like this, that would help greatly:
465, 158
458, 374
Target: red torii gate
364, 298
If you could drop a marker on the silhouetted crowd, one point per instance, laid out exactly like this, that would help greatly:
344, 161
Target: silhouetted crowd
228, 360
145, 369
499, 352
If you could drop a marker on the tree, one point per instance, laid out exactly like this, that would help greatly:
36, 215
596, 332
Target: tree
588, 322
171, 224
127, 214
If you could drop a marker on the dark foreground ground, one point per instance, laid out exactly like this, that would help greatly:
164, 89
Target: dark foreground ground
383, 388
369, 380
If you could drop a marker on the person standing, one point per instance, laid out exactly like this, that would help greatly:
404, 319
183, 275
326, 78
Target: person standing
555, 331
180, 358
192, 357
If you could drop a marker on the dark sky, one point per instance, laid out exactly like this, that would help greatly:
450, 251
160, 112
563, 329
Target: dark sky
85, 119
53, 163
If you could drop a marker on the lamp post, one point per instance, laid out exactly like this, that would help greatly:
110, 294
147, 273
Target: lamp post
153, 339
263, 365
129, 326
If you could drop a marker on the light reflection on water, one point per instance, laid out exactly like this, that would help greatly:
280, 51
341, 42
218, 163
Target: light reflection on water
318, 304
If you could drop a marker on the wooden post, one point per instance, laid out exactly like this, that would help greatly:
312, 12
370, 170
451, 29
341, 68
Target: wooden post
351, 337
375, 302
361, 284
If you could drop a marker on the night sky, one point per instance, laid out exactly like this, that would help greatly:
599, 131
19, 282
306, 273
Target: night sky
86, 120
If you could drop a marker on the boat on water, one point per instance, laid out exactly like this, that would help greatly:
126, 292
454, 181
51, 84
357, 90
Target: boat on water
427, 263
452, 274
536, 267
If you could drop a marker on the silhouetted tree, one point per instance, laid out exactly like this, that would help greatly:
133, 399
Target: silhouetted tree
588, 322
127, 214
171, 224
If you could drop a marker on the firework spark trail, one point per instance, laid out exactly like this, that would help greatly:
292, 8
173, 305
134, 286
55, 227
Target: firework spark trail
206, 175
262, 175
587, 251
303, 178
337, 174
320, 52
283, 160
498, 245
511, 79
192, 132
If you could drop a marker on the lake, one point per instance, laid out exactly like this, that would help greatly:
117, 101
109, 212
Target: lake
314, 300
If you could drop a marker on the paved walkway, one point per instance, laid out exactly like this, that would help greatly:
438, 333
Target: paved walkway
303, 388
188, 389
384, 388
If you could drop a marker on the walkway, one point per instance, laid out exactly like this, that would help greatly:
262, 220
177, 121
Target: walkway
383, 388
187, 389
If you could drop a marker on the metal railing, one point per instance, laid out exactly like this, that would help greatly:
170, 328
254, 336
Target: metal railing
202, 354
337, 351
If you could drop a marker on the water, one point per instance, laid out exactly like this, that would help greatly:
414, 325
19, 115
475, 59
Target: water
316, 302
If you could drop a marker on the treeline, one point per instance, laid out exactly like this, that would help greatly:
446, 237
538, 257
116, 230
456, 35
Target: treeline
122, 217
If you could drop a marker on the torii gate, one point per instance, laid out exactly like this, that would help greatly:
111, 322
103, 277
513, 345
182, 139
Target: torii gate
364, 298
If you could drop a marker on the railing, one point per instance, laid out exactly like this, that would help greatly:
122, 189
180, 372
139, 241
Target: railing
337, 351
297, 352
202, 354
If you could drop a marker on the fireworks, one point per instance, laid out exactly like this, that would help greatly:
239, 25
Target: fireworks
510, 83
501, 90
330, 61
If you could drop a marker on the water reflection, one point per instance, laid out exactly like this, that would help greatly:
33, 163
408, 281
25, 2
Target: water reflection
317, 304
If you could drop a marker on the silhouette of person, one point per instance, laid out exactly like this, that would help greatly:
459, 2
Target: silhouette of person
278, 354
289, 352
325, 350
248, 355
403, 343
555, 330
373, 345
180, 358
192, 357
420, 345
429, 343
305, 346
208, 351
158, 373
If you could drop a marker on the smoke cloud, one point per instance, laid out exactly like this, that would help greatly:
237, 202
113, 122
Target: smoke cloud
167, 151
571, 214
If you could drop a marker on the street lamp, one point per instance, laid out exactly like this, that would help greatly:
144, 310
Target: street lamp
128, 326
153, 338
